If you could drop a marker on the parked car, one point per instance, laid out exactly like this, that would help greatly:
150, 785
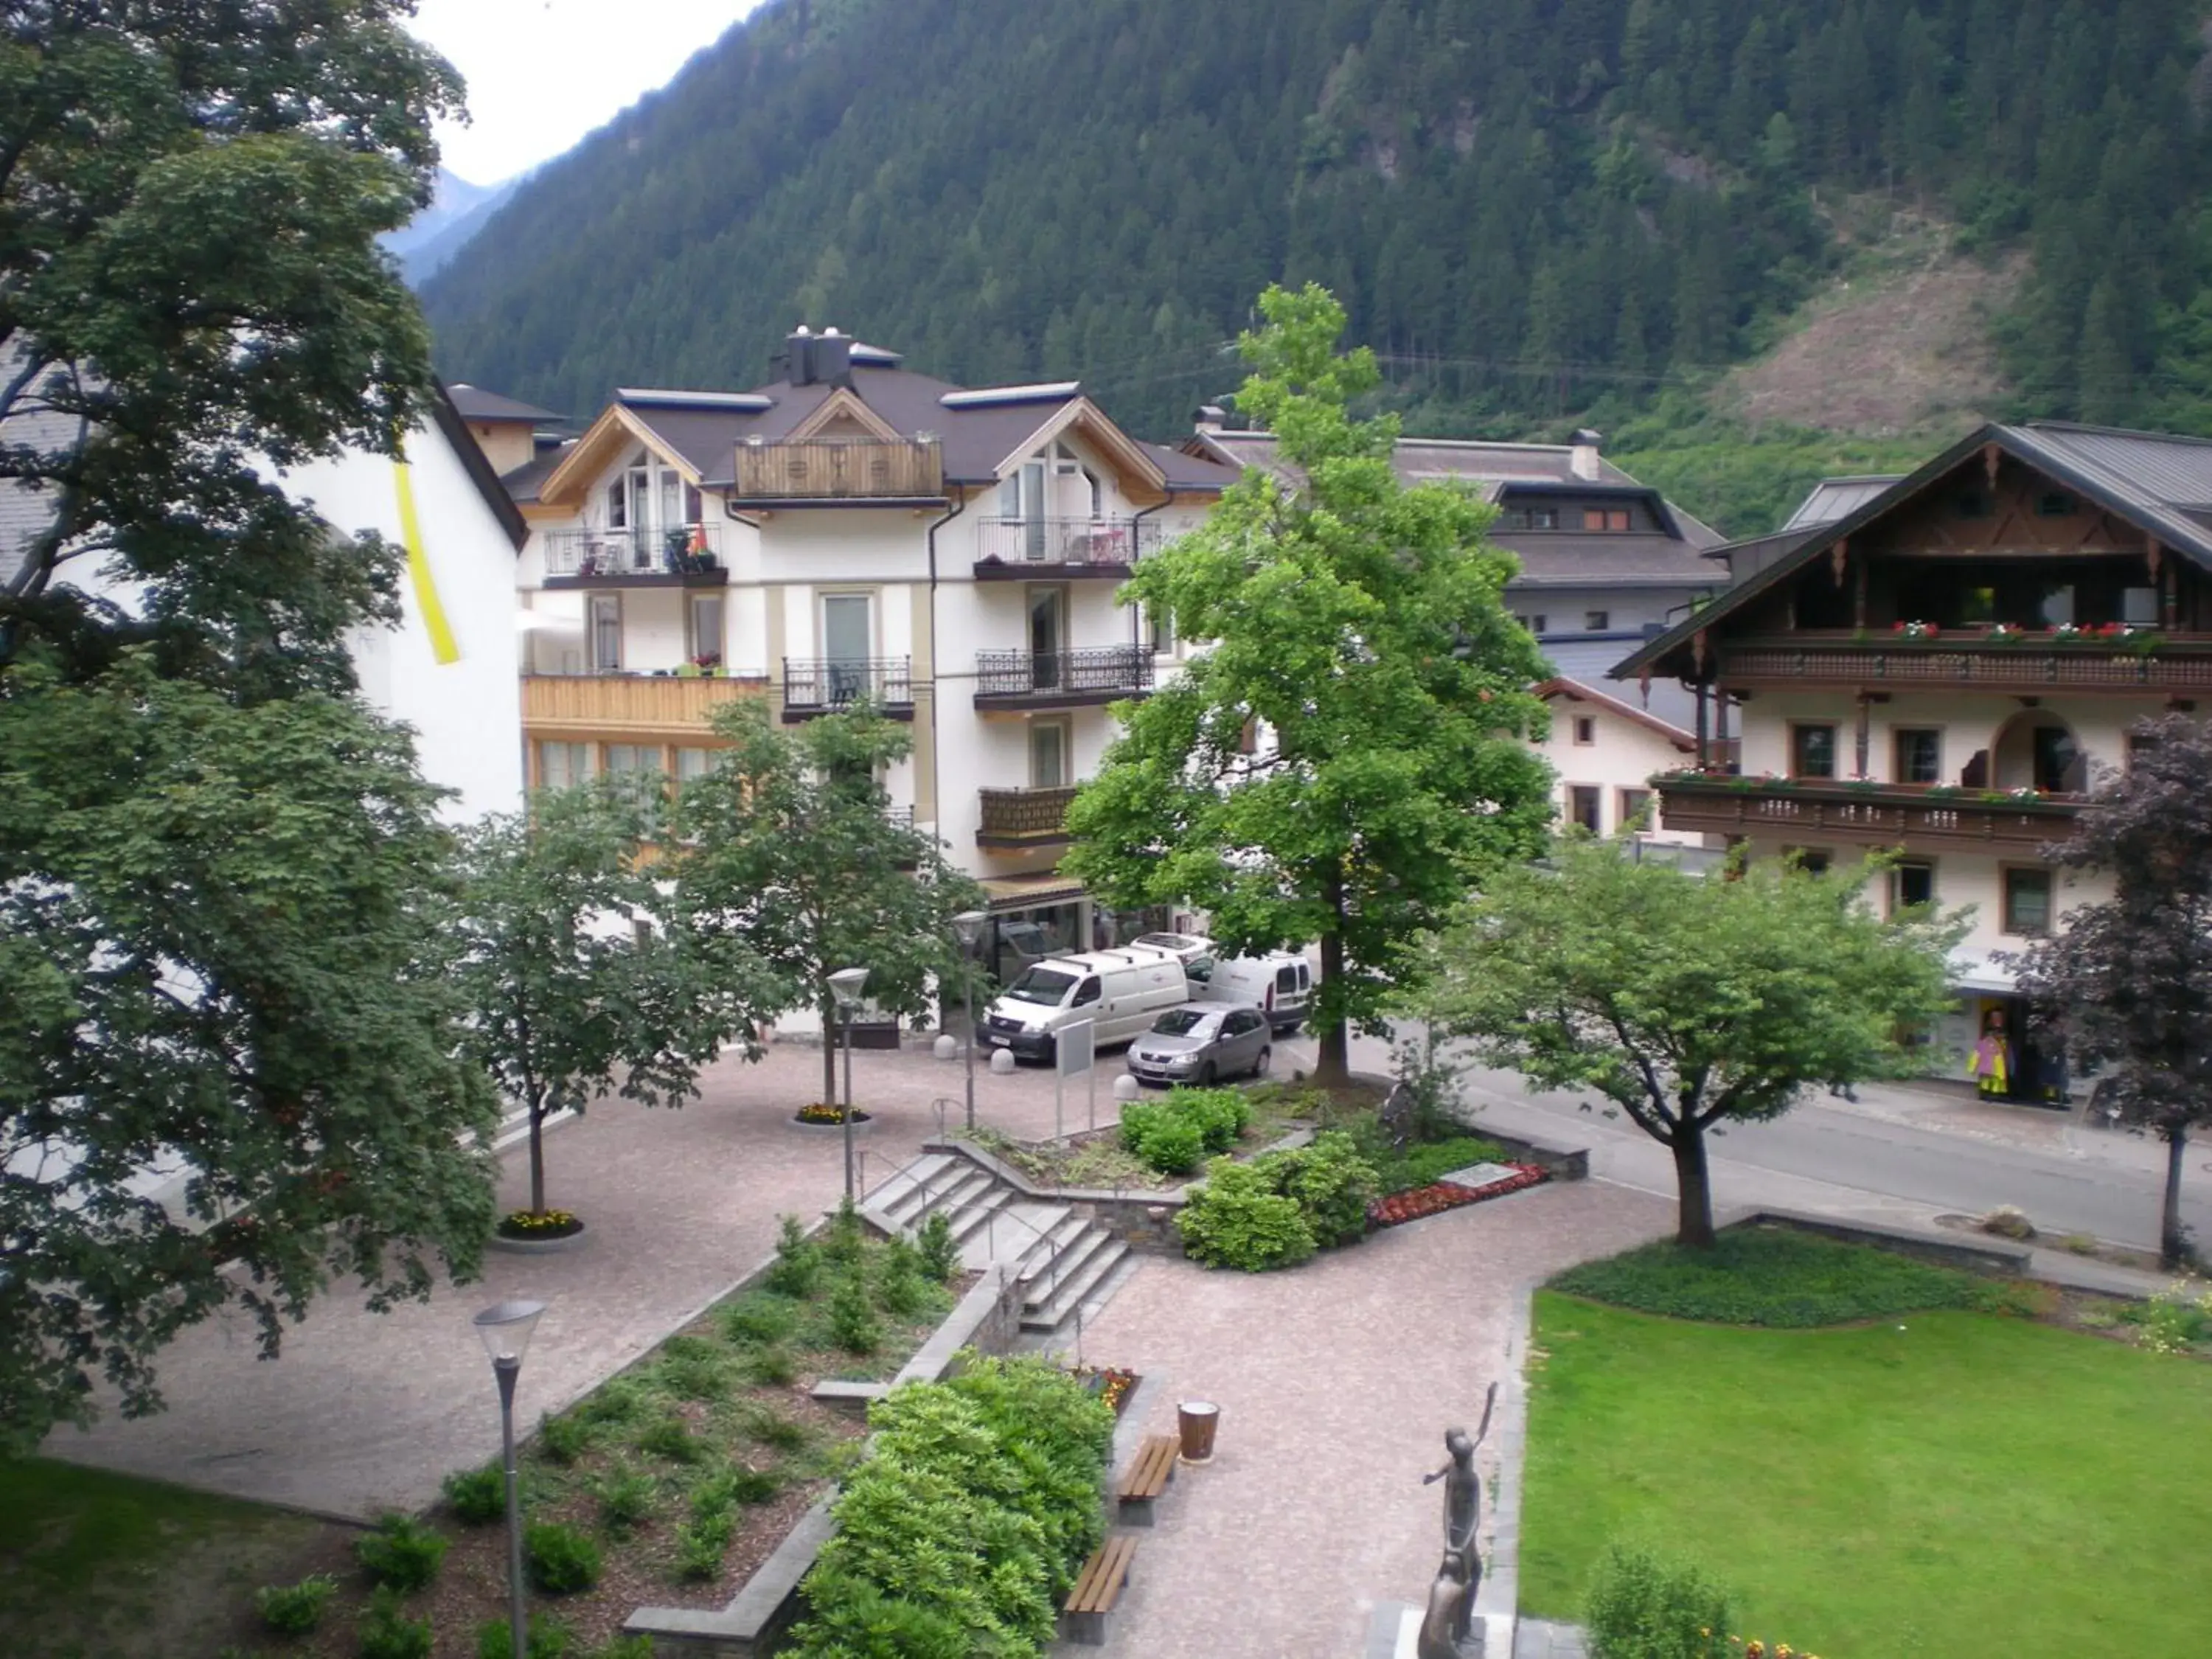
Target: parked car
1120, 990
1202, 1043
1280, 984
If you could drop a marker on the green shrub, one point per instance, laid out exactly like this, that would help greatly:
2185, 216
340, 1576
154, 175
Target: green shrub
770, 1368
754, 1485
770, 1427
476, 1496
670, 1438
691, 1368
854, 1326
547, 1638
386, 1632
1775, 1277
1642, 1607
842, 1241
1421, 1164
1173, 1134
701, 1544
967, 1520
1235, 1220
759, 1320
619, 1399
798, 1267
626, 1497
401, 1552
1329, 1181
565, 1438
560, 1560
940, 1251
295, 1609
1171, 1144
900, 1287
1220, 1114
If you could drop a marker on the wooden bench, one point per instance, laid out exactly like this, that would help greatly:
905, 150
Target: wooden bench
1149, 1473
1083, 1618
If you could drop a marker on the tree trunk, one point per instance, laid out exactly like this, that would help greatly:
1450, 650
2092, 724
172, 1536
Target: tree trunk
538, 1157
1693, 1227
830, 1035
1333, 1063
2172, 1236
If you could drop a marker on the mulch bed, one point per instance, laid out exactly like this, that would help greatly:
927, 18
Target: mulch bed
1441, 1196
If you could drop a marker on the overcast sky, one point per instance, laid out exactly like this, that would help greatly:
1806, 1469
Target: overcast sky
543, 73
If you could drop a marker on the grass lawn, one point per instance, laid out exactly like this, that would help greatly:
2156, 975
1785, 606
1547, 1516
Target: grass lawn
1938, 1483
108, 1566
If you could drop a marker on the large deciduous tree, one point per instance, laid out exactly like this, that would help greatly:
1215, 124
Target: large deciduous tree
2128, 982
1348, 750
219, 873
788, 852
1684, 1001
568, 995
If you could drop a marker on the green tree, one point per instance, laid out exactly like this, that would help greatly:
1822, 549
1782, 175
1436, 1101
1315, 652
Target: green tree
220, 874
2129, 981
789, 855
213, 977
1357, 625
1685, 1001
567, 994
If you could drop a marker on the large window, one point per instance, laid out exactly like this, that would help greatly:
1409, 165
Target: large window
704, 624
693, 763
605, 623
1911, 883
1585, 806
1048, 755
1919, 754
563, 765
1812, 751
2026, 901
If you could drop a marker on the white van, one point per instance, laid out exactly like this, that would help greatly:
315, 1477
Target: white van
1121, 990
1281, 983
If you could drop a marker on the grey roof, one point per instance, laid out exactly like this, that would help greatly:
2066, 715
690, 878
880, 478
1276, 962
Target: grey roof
1552, 558
521, 483
1835, 498
1430, 460
2161, 483
475, 403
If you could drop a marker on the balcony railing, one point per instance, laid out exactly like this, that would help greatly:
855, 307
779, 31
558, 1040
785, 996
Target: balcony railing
1044, 678
1023, 818
1802, 810
840, 469
2027, 662
1010, 547
663, 705
821, 687
690, 552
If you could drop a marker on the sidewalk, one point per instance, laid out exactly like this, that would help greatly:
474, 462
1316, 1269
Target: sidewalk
365, 1411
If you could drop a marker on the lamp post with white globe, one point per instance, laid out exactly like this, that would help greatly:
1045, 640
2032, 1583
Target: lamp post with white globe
506, 1331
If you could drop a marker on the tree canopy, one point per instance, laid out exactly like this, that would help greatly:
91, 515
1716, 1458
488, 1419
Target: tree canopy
1348, 750
2127, 981
1685, 1001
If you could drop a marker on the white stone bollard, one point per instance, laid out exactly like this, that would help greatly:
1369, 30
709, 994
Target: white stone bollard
1126, 1087
1002, 1061
946, 1048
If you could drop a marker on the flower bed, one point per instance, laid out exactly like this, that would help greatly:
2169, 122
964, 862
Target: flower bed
538, 1224
1441, 1196
1110, 1383
827, 1116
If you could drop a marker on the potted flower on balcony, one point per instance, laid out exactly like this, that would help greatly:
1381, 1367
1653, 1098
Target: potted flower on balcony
2005, 633
1861, 783
1916, 630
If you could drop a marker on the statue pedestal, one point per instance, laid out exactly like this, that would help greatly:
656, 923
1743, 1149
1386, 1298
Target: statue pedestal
1394, 1632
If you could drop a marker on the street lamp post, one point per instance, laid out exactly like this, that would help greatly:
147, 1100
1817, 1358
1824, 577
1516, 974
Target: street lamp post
506, 1332
970, 924
845, 986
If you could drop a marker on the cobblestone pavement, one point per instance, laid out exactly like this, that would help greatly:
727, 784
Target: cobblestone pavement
1336, 1384
366, 1411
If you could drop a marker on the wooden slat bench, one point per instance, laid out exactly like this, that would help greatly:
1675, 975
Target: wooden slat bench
1151, 1470
1083, 1618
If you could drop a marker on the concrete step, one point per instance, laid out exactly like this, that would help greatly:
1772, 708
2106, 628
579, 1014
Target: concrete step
976, 1214
1050, 1278
905, 1186
1076, 1291
1014, 1231
1059, 1232
945, 1188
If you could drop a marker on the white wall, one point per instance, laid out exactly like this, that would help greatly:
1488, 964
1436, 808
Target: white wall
1969, 722
1623, 754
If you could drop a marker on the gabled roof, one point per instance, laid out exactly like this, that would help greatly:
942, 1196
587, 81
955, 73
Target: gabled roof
1832, 498
2159, 482
475, 403
452, 426
1576, 691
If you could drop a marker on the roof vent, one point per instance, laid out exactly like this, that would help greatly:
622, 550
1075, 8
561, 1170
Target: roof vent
1582, 460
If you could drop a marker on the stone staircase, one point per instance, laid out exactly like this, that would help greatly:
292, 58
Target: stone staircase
1061, 1261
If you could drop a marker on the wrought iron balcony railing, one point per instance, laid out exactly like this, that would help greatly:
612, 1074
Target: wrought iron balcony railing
1023, 818
813, 686
1111, 545
615, 555
1037, 677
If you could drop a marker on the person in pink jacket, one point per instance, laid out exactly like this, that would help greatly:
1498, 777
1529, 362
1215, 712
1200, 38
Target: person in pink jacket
1990, 1064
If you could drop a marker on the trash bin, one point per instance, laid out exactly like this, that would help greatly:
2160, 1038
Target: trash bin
1197, 1419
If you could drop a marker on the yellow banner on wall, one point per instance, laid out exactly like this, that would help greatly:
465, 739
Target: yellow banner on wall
442, 646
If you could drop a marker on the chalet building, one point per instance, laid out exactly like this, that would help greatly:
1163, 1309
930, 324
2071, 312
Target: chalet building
1944, 669
854, 529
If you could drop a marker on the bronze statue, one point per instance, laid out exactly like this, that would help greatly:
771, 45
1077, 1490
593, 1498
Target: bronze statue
1451, 1598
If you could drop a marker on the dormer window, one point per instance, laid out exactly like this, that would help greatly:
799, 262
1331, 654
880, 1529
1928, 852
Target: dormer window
1606, 517
1532, 517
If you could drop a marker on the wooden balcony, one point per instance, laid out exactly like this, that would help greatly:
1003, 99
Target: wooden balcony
1914, 816
1023, 818
840, 469
1061, 679
2031, 663
626, 705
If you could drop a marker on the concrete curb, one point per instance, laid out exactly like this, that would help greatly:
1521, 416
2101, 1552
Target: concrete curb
1497, 1602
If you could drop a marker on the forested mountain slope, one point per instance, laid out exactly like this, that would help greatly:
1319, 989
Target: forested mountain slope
1530, 206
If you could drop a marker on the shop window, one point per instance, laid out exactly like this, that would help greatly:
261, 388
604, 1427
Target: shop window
1919, 754
1812, 751
2026, 901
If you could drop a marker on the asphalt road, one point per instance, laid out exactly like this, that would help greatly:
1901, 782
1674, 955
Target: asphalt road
1905, 1154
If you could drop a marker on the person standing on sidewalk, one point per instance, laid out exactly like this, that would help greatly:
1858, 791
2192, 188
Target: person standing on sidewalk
1990, 1064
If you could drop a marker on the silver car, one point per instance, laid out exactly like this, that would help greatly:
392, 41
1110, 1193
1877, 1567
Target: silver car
1202, 1043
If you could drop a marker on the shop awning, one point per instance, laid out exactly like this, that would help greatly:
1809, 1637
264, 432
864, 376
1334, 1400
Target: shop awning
1976, 974
1026, 892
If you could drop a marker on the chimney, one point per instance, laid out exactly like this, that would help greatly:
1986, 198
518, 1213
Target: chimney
796, 360
1583, 461
1210, 417
833, 359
